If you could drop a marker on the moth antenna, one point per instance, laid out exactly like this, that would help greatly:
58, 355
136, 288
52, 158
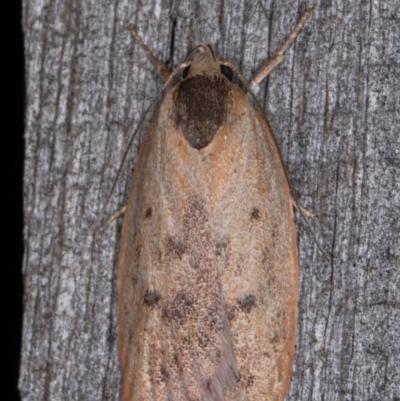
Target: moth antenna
279, 56
163, 71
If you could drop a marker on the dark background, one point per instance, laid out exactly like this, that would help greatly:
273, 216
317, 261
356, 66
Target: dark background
12, 114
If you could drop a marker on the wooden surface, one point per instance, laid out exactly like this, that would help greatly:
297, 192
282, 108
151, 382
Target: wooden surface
334, 105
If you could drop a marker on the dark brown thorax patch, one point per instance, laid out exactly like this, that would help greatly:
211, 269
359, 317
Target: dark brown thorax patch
201, 106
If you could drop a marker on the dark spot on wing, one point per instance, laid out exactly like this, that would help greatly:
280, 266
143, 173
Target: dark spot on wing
149, 212
255, 213
151, 298
247, 303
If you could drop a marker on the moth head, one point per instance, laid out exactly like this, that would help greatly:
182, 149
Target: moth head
203, 61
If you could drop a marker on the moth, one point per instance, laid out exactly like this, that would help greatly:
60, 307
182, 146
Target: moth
208, 270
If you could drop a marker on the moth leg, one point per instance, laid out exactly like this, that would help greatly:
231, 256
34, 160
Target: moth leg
161, 67
302, 210
117, 214
279, 56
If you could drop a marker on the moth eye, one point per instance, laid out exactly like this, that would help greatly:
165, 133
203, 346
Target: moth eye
185, 72
226, 71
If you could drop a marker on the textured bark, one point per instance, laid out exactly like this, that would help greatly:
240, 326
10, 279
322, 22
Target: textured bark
334, 106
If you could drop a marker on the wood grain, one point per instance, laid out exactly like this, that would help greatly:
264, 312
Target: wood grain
333, 105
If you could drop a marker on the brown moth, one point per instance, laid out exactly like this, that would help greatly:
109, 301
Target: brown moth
207, 279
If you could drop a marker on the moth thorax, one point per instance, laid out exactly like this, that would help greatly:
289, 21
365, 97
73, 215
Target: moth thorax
201, 105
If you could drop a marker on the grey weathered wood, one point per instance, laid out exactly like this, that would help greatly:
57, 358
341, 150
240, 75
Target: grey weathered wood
334, 105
